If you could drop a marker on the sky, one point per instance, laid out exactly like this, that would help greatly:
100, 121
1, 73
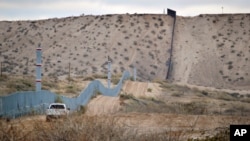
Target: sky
44, 9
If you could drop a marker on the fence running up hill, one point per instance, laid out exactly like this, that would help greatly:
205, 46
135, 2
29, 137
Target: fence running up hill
23, 103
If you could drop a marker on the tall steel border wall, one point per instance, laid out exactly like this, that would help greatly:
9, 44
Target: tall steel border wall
36, 102
172, 13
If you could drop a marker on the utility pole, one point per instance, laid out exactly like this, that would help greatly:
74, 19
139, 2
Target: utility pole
69, 73
1, 69
69, 66
109, 72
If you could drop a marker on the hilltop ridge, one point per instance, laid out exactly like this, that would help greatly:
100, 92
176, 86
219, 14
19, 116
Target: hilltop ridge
209, 50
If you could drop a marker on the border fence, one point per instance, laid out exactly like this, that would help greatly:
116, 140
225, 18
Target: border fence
171, 13
36, 102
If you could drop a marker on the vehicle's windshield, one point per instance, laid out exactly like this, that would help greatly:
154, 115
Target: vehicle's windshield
57, 107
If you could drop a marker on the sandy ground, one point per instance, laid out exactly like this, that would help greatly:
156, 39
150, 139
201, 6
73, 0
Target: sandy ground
141, 89
103, 105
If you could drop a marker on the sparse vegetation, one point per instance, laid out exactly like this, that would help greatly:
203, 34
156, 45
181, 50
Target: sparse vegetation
223, 135
58, 99
77, 128
125, 96
115, 78
96, 94
139, 39
149, 90
15, 84
176, 94
72, 89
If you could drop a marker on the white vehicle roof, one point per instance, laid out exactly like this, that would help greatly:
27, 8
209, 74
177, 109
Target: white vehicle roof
57, 104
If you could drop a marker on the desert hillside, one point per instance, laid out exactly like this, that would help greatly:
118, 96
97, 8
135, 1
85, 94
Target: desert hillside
213, 51
209, 50
86, 42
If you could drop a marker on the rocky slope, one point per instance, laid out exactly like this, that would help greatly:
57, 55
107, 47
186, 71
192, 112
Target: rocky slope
209, 50
213, 50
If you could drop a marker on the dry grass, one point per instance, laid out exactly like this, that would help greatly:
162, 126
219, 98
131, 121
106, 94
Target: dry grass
222, 135
78, 127
106, 128
10, 84
116, 78
184, 100
112, 127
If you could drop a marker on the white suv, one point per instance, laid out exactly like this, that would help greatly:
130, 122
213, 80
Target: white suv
56, 110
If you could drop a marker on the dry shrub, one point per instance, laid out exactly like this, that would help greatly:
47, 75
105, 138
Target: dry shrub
116, 78
95, 76
222, 135
14, 131
144, 105
81, 128
78, 127
20, 84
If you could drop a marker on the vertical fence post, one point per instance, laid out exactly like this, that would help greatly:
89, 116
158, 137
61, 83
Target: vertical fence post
1, 106
134, 73
38, 68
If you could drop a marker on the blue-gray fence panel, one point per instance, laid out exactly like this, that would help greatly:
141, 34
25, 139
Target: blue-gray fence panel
22, 103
